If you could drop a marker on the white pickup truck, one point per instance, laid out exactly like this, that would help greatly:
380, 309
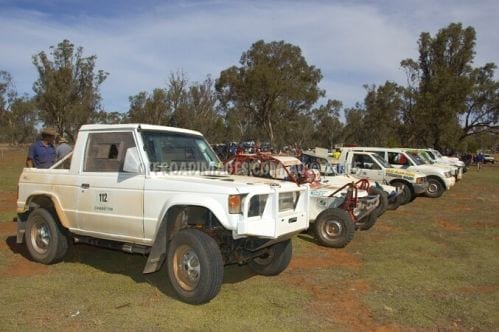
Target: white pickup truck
160, 191
439, 179
370, 165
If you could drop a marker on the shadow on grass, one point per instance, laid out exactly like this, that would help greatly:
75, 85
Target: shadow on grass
130, 265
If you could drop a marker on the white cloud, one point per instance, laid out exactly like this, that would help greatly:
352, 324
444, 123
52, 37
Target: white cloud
353, 43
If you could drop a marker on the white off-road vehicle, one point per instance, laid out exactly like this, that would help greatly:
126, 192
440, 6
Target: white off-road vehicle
335, 210
162, 192
439, 179
372, 166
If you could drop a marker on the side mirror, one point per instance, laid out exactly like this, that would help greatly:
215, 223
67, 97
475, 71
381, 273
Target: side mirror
132, 162
354, 170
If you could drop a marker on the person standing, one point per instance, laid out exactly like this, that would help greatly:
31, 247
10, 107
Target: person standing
479, 161
42, 153
63, 148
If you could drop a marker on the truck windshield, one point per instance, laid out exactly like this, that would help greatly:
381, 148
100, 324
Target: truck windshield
417, 159
380, 160
169, 151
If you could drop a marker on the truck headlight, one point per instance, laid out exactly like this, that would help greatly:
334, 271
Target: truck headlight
257, 205
234, 204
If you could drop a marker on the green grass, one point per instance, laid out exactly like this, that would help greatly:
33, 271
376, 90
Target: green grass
432, 264
439, 265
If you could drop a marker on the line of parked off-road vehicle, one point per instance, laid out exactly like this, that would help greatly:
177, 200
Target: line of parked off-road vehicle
352, 191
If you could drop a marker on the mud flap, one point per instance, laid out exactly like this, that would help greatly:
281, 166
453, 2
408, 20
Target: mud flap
20, 228
158, 251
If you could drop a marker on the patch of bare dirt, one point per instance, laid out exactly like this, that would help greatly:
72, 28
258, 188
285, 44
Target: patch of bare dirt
448, 226
7, 228
323, 258
22, 267
8, 201
336, 303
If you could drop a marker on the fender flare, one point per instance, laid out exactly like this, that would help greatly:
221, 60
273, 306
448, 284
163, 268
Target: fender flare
157, 254
56, 203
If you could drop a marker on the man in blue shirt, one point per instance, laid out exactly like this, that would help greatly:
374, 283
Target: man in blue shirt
42, 153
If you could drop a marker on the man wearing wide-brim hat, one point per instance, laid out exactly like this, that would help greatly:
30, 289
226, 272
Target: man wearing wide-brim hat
62, 147
42, 153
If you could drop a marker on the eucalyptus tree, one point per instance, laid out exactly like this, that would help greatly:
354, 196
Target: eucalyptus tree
18, 115
443, 77
482, 105
67, 88
272, 85
382, 118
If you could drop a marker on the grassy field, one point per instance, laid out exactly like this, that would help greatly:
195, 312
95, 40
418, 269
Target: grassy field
433, 264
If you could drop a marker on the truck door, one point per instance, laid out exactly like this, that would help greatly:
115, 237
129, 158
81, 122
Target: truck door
111, 201
367, 167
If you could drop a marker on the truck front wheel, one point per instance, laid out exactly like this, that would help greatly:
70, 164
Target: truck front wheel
274, 261
435, 187
195, 266
45, 239
334, 228
406, 191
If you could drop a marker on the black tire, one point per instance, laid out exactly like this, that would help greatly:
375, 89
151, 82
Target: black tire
383, 200
435, 187
367, 222
407, 194
395, 205
195, 266
334, 228
274, 261
46, 240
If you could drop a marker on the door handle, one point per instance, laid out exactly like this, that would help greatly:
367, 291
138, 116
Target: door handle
85, 186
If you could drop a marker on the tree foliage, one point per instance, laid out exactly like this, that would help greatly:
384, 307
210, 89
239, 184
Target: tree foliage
273, 95
180, 104
442, 75
273, 84
18, 115
67, 89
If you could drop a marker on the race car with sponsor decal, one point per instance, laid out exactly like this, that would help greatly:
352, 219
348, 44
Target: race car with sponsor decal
372, 166
320, 159
439, 179
161, 192
335, 210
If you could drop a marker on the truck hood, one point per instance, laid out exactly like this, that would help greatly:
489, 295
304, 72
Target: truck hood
451, 161
221, 182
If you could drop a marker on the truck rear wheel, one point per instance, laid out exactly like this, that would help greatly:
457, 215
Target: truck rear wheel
406, 192
274, 261
45, 239
383, 200
367, 222
334, 228
195, 266
435, 187
398, 201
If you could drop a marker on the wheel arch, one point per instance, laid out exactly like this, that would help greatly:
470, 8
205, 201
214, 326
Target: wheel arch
409, 184
173, 221
47, 201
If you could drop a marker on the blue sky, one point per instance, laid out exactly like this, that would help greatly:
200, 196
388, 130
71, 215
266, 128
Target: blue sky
140, 43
